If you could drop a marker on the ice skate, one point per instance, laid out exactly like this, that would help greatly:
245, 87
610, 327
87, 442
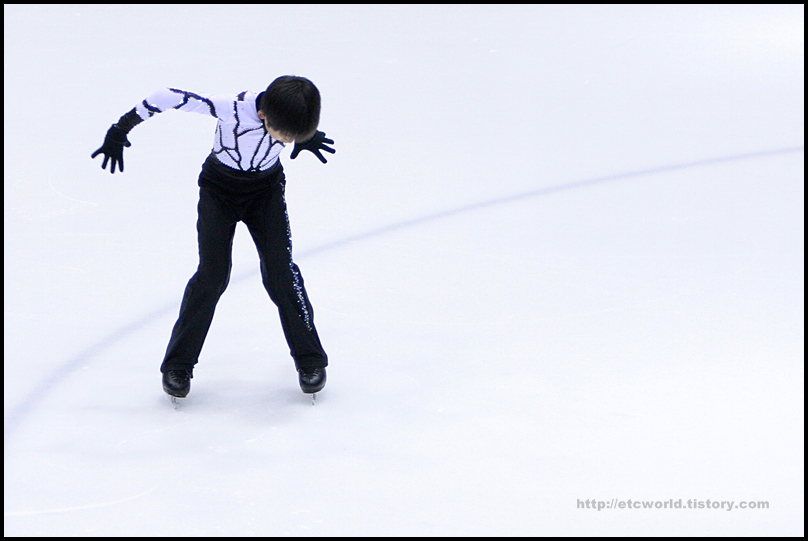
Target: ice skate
312, 380
177, 384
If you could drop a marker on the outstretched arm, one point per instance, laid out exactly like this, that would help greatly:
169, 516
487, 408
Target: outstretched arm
163, 99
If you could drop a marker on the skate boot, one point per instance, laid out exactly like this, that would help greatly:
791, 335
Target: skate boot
312, 380
177, 383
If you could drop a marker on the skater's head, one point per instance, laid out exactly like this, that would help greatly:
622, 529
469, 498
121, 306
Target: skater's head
290, 108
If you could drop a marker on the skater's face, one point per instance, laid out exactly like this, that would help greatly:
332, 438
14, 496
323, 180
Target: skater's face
275, 134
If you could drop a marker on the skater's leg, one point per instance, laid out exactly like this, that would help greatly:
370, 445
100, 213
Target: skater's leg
216, 227
268, 224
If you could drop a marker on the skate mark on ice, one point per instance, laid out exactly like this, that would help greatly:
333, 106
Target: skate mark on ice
78, 507
25, 406
530, 194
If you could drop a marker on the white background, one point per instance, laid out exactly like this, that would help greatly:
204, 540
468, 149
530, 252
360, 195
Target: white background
558, 256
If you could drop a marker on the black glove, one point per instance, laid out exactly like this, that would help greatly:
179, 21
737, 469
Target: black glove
112, 149
314, 145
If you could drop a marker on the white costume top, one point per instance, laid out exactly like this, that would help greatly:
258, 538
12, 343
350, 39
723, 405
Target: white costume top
241, 141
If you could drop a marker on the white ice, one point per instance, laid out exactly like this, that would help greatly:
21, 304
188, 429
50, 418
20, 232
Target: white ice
557, 257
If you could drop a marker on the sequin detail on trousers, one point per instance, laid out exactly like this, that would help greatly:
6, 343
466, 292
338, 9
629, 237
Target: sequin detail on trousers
301, 299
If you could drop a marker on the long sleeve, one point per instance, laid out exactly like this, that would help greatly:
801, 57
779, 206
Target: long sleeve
241, 141
182, 100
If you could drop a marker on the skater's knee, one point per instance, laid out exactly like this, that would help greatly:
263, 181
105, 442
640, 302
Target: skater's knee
213, 280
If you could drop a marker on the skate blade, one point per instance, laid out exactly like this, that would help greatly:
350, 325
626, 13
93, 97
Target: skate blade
313, 398
176, 401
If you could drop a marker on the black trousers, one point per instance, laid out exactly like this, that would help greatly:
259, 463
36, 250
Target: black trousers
226, 197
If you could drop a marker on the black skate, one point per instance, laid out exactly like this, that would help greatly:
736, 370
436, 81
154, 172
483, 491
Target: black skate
312, 380
177, 383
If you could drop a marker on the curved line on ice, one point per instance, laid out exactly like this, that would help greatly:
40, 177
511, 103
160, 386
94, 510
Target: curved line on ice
76, 508
24, 407
472, 207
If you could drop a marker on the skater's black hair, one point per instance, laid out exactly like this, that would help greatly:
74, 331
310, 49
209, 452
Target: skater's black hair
291, 105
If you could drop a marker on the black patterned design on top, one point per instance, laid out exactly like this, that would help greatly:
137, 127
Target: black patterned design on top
255, 161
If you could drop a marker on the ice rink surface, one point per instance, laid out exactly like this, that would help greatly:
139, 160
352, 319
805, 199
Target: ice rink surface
557, 263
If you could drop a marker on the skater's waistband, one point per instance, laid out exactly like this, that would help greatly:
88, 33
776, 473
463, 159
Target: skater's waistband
225, 179
235, 174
